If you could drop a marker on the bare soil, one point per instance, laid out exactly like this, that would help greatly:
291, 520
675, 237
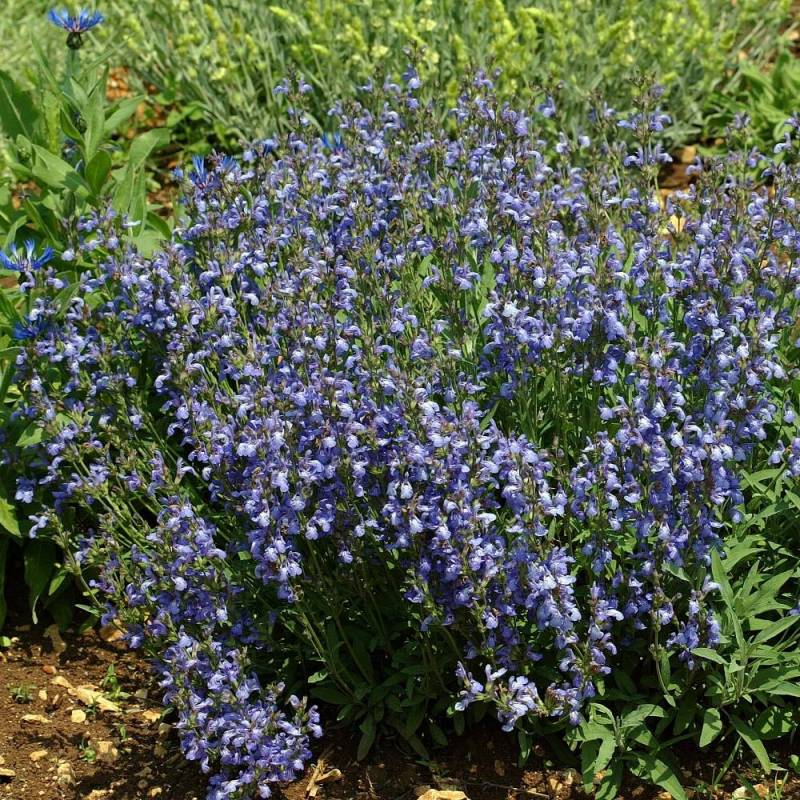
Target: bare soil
77, 721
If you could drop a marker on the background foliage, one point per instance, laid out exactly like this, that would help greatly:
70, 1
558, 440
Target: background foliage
226, 57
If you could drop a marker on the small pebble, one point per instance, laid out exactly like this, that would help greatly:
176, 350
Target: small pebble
106, 751
65, 775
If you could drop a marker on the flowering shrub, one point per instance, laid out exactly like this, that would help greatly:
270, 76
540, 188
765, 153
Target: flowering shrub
225, 58
414, 419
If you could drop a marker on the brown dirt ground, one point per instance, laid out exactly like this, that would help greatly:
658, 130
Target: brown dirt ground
68, 732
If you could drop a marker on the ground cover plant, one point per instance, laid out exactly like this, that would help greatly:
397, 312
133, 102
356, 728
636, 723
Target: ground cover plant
419, 421
218, 62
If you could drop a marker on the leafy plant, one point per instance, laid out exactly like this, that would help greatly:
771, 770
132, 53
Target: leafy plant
63, 158
23, 693
766, 94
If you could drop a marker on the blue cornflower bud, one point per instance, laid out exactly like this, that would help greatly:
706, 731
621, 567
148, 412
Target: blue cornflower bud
333, 141
75, 24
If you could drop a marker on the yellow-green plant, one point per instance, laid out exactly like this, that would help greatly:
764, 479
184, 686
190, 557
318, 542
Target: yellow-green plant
221, 59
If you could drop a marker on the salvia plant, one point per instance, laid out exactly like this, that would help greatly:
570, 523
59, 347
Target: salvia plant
416, 421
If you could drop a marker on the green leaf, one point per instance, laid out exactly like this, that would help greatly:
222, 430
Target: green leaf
709, 654
69, 127
589, 757
368, 732
685, 713
159, 224
596, 755
56, 172
57, 581
437, 734
640, 714
721, 577
8, 517
414, 719
143, 145
98, 170
608, 788
121, 113
329, 694
8, 312
61, 609
784, 688
94, 117
129, 189
18, 113
712, 726
39, 557
774, 722
623, 680
776, 628
659, 772
753, 741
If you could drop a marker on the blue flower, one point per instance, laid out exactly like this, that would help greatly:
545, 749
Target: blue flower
82, 22
332, 141
25, 262
28, 328
75, 24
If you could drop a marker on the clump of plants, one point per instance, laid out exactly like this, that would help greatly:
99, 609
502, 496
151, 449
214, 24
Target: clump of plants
412, 421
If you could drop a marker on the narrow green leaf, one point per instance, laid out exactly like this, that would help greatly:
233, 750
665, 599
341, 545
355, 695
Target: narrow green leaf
18, 113
414, 719
39, 557
122, 111
94, 117
368, 732
709, 654
56, 172
753, 741
721, 577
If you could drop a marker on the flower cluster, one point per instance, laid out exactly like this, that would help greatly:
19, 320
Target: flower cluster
483, 372
177, 598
